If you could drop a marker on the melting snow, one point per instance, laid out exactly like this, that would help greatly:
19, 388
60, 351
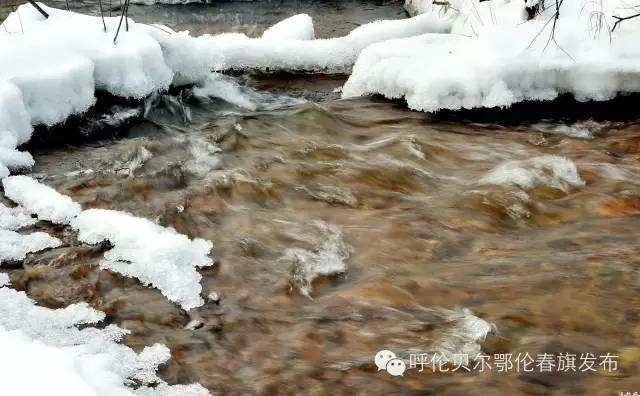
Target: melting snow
44, 201
154, 254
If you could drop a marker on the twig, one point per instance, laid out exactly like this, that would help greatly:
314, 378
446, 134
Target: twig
124, 8
37, 7
621, 19
126, 15
102, 15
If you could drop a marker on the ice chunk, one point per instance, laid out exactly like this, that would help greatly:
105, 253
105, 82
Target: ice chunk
15, 218
547, 170
67, 355
44, 201
14, 246
297, 27
154, 254
326, 259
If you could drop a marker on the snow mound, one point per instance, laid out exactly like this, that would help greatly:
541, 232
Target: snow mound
132, 68
297, 27
548, 170
326, 259
154, 254
496, 57
44, 201
14, 246
68, 355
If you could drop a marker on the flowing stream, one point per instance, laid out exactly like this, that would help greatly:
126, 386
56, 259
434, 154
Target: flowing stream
342, 227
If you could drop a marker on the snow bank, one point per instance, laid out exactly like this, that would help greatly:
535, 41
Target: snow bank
61, 352
14, 246
54, 66
76, 49
192, 58
297, 27
496, 58
547, 170
76, 56
155, 255
44, 201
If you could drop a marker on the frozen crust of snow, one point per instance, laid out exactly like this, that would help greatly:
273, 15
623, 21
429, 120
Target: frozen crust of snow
493, 59
44, 201
14, 246
67, 355
154, 254
297, 27
547, 170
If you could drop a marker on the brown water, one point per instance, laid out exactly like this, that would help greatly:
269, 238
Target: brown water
394, 193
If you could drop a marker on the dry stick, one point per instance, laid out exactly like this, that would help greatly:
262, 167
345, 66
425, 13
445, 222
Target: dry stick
119, 24
620, 19
37, 7
102, 15
126, 18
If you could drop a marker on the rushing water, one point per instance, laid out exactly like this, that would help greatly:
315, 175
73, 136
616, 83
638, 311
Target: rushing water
343, 227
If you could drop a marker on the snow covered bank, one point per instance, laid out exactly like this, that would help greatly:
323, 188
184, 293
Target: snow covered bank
193, 57
62, 352
76, 56
155, 255
496, 57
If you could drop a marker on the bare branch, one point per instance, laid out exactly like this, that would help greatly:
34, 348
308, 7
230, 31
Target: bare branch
621, 19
